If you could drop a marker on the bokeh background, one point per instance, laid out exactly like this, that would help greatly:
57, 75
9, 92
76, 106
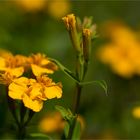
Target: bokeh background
31, 26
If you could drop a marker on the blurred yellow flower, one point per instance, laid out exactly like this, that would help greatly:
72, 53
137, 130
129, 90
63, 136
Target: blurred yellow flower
31, 5
41, 65
122, 53
53, 122
55, 8
136, 112
58, 8
33, 92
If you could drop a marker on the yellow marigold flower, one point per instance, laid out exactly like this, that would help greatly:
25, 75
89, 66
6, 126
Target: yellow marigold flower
136, 112
122, 53
41, 65
31, 5
10, 67
52, 122
58, 8
33, 92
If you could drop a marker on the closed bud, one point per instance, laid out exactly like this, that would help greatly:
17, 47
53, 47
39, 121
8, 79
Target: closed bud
86, 44
70, 22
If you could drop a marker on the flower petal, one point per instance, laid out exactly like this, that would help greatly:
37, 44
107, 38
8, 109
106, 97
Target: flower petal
53, 91
2, 63
35, 105
37, 70
35, 92
16, 71
16, 91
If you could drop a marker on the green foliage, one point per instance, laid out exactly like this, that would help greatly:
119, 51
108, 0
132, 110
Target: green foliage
39, 136
66, 113
77, 131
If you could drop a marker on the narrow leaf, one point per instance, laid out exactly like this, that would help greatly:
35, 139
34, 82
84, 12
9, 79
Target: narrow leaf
66, 129
77, 131
101, 83
65, 70
40, 136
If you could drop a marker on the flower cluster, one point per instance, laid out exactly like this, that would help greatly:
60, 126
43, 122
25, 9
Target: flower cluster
123, 51
31, 90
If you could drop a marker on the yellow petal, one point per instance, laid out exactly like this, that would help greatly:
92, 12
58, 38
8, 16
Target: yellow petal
35, 92
2, 63
37, 70
16, 90
45, 61
22, 81
35, 105
53, 91
16, 71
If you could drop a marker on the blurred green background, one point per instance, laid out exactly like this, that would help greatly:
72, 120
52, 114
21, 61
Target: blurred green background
25, 30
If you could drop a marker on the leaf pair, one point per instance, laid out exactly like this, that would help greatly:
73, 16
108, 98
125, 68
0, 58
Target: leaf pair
100, 83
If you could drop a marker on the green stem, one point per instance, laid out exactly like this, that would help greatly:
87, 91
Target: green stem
21, 132
78, 97
12, 107
76, 108
23, 124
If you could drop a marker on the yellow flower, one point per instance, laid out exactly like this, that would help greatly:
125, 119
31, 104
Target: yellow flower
122, 53
31, 5
58, 8
41, 65
11, 67
33, 92
136, 112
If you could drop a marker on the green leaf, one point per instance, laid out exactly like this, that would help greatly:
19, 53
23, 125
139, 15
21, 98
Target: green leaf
101, 83
65, 70
77, 131
66, 129
40, 136
66, 113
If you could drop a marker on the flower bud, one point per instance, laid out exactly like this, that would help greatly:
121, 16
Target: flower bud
70, 22
86, 44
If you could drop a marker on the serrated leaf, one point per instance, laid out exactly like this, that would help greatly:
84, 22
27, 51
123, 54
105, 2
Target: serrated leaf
101, 83
65, 70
